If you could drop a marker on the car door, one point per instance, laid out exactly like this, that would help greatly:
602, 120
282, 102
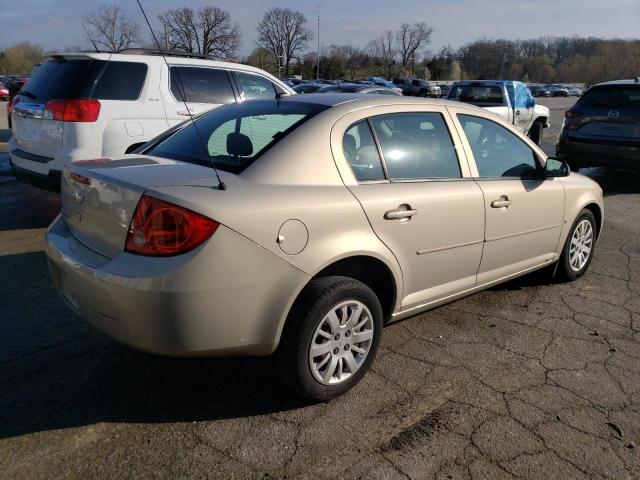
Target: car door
416, 191
524, 211
202, 88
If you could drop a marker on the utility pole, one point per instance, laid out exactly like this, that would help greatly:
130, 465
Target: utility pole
318, 47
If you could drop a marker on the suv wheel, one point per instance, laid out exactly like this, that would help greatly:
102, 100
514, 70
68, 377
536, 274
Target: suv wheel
331, 338
579, 247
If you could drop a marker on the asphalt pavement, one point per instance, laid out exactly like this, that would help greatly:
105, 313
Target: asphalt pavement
530, 379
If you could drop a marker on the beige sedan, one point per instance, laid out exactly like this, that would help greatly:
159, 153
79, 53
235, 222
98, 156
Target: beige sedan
325, 217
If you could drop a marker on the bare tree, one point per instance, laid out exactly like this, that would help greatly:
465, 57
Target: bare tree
410, 39
383, 48
109, 28
208, 31
283, 32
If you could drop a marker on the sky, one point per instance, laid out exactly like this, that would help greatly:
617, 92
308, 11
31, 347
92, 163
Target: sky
56, 24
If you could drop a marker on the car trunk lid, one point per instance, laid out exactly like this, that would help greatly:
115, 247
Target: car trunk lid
100, 196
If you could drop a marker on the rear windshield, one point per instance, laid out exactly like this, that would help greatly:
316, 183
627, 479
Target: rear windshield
477, 94
87, 78
614, 96
235, 135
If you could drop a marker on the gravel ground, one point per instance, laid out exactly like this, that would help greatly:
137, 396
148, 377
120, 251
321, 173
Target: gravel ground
530, 379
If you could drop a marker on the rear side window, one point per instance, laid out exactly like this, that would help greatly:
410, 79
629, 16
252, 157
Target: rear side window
121, 81
255, 86
63, 79
416, 146
620, 96
201, 85
361, 152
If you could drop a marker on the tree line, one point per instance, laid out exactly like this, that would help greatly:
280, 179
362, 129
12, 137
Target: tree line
283, 40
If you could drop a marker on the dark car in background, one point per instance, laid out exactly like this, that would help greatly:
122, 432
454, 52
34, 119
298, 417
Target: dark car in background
358, 88
308, 87
603, 127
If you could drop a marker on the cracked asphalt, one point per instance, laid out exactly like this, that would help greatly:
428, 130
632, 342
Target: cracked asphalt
531, 379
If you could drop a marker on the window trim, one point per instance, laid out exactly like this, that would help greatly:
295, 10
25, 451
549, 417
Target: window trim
182, 102
415, 180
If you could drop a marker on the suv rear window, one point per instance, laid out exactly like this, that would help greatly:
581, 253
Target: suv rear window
235, 135
62, 79
612, 96
201, 85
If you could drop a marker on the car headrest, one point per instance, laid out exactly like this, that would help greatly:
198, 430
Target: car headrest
239, 145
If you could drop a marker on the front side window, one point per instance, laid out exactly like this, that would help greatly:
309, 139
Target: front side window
201, 85
235, 135
255, 86
416, 146
497, 151
361, 152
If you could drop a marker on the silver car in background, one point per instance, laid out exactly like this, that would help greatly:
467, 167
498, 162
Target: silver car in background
333, 215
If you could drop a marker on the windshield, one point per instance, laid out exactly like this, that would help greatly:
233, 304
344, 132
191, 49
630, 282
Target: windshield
621, 96
477, 94
235, 135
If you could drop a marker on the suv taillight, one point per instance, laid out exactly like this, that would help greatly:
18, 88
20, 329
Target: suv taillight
86, 110
160, 228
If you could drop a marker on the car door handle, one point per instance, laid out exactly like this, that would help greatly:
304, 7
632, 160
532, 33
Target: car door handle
502, 202
400, 214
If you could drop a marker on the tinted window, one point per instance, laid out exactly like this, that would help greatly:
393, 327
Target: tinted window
361, 152
416, 146
201, 85
612, 97
497, 151
235, 135
121, 81
255, 86
477, 95
63, 79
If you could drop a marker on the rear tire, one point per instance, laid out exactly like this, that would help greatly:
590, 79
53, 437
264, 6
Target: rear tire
331, 337
535, 132
578, 248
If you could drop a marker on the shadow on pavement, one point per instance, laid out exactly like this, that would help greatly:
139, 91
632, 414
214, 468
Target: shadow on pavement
5, 133
58, 372
615, 182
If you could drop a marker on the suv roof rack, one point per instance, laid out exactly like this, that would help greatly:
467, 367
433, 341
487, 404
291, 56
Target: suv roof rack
168, 53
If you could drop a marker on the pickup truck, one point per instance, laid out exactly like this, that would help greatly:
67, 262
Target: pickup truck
510, 100
417, 88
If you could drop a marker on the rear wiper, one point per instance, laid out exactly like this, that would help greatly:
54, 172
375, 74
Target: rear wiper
27, 94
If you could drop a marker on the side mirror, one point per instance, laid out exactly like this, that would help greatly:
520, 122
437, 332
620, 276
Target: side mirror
556, 168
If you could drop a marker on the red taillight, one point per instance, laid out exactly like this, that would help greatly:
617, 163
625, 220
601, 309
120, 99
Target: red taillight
160, 228
572, 114
72, 110
80, 178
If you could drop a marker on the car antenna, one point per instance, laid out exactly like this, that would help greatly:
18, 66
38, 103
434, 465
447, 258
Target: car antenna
221, 184
90, 38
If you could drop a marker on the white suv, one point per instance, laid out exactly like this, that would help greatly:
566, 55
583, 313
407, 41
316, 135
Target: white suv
88, 105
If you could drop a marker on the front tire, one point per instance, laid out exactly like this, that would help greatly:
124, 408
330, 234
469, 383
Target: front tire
331, 337
578, 248
535, 132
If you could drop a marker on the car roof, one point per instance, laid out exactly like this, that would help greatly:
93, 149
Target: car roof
634, 81
360, 100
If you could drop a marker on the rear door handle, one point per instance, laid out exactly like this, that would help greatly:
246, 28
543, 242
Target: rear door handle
502, 202
404, 212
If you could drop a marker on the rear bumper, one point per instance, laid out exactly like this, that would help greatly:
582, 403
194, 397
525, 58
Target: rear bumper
50, 181
595, 153
228, 296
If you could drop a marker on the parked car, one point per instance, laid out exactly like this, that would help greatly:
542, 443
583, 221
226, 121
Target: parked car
308, 256
603, 127
559, 91
294, 82
4, 92
540, 92
574, 91
417, 88
357, 88
385, 83
308, 87
445, 88
88, 105
509, 99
